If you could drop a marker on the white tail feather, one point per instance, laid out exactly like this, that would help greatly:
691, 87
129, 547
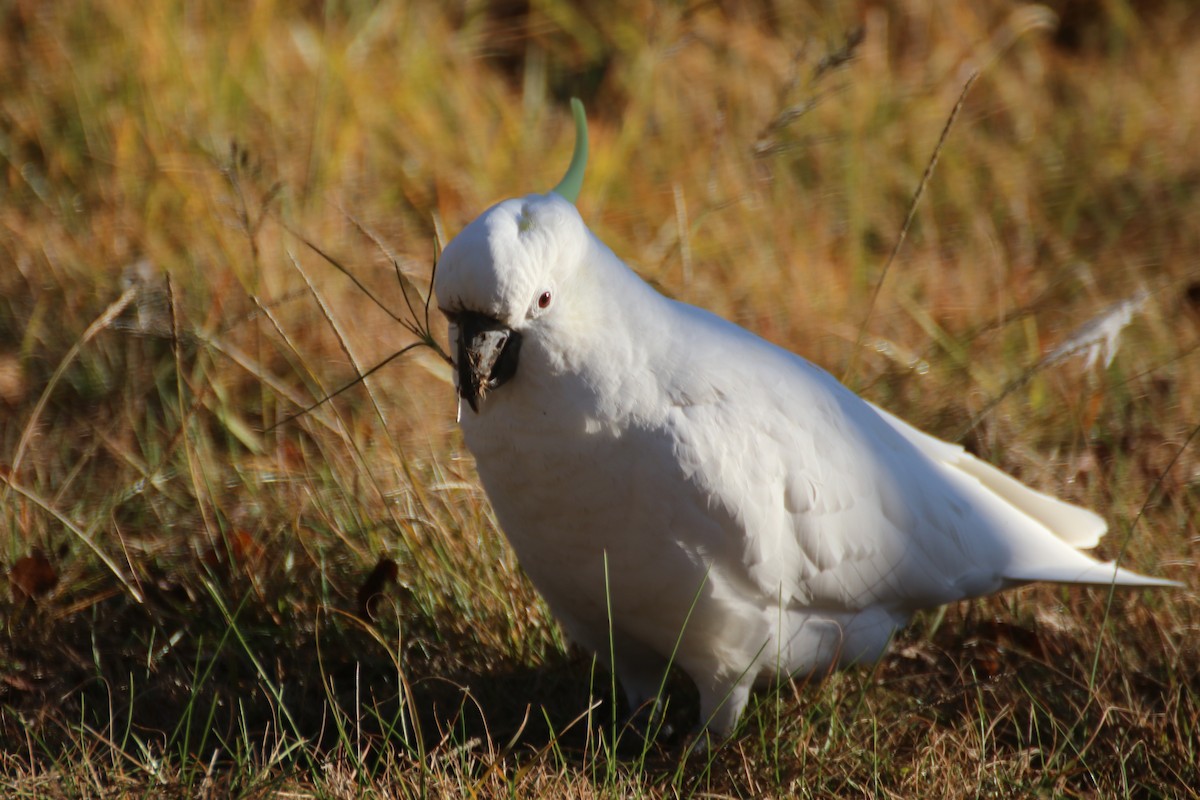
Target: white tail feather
1095, 574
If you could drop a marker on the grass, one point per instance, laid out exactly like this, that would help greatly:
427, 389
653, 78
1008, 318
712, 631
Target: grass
183, 615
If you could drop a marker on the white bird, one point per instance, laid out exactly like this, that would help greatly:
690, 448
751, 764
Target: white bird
682, 492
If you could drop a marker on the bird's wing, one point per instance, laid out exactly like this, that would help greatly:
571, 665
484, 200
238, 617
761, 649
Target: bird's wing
835, 504
1076, 526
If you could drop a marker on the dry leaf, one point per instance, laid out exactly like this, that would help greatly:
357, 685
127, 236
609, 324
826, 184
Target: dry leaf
32, 576
240, 548
372, 589
13, 385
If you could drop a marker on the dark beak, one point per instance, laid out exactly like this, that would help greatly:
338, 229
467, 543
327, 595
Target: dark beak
485, 355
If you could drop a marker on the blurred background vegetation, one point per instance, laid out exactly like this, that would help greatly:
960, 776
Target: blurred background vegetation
202, 604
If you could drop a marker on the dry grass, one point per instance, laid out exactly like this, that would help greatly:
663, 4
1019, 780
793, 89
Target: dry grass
182, 614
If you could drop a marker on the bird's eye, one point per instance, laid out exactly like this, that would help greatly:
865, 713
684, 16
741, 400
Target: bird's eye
544, 300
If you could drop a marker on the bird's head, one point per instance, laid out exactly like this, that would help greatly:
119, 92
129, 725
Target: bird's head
503, 278
507, 274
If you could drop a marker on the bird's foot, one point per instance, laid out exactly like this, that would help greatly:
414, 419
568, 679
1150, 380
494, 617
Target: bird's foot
649, 724
700, 742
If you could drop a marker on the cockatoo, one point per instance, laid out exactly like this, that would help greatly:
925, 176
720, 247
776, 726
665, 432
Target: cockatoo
682, 492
